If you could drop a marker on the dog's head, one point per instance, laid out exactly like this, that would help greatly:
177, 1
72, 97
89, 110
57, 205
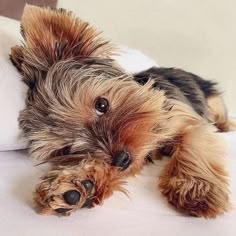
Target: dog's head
82, 102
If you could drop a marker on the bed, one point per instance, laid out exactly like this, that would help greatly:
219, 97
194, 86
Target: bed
144, 212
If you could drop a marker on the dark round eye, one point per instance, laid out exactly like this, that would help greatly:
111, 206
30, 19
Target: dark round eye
101, 106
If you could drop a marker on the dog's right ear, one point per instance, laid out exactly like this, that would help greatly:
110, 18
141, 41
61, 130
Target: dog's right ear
51, 35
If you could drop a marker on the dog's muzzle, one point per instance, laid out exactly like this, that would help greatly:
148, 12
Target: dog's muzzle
121, 159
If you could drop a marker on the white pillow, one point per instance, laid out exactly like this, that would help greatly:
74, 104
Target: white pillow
13, 90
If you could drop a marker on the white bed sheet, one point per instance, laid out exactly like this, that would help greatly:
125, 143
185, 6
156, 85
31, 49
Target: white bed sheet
145, 213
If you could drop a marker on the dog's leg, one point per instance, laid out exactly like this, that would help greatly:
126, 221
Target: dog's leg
194, 180
217, 114
67, 188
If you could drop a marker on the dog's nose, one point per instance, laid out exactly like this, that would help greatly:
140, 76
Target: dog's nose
121, 159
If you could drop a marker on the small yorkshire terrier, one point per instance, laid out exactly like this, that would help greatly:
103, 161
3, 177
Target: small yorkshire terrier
97, 125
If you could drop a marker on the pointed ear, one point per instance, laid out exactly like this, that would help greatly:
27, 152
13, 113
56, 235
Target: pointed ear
51, 35
55, 34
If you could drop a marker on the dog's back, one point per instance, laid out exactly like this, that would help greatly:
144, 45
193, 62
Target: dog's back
202, 95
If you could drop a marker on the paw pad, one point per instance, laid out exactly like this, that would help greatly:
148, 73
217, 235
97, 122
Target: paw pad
88, 185
71, 197
62, 210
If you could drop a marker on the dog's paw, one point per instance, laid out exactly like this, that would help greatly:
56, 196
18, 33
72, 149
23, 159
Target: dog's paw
63, 191
195, 196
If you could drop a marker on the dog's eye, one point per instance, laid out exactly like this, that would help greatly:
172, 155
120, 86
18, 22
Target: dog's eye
64, 151
101, 106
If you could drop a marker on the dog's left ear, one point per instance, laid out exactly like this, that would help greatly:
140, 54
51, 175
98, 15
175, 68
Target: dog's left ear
55, 34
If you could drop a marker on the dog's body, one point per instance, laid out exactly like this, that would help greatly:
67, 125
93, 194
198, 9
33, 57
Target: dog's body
97, 125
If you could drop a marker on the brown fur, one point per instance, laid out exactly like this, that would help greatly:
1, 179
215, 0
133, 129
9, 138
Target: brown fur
217, 114
62, 178
67, 67
195, 180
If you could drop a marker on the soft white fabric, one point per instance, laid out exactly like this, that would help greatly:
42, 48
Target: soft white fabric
145, 213
12, 90
132, 60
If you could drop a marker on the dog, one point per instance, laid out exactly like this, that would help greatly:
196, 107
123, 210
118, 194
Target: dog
98, 125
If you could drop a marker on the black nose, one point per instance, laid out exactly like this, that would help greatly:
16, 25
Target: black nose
122, 160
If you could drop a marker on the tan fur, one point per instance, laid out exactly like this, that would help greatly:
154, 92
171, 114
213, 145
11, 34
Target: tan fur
195, 180
67, 68
54, 35
79, 109
218, 114
48, 194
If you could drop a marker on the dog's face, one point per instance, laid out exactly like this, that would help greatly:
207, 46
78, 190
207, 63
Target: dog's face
92, 107
78, 101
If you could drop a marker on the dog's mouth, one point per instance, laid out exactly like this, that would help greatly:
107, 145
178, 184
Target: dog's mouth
65, 156
121, 159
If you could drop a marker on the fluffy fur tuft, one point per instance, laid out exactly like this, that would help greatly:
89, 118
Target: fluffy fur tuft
51, 36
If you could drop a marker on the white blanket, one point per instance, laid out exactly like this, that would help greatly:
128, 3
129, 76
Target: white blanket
12, 90
145, 213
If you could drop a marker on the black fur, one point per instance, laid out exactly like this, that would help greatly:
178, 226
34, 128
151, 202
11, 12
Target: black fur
181, 85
